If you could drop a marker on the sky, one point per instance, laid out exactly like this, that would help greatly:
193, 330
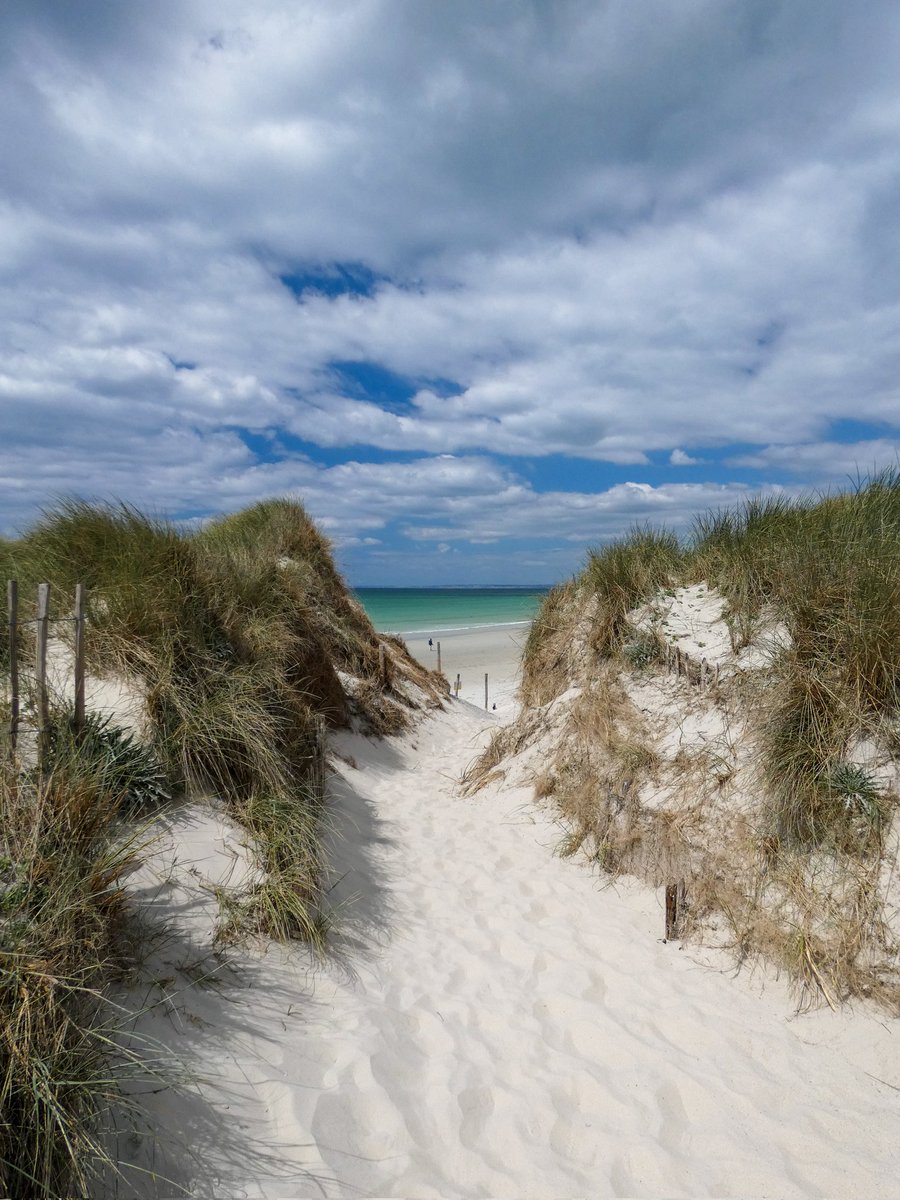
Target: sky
483, 284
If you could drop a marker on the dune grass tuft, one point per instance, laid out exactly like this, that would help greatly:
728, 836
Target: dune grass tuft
623, 574
62, 939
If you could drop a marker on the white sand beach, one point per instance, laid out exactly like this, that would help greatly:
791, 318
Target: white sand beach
472, 654
494, 1021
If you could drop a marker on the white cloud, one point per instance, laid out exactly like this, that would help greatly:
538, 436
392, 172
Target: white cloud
828, 460
618, 229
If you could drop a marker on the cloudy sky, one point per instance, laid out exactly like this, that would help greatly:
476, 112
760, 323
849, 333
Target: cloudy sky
482, 283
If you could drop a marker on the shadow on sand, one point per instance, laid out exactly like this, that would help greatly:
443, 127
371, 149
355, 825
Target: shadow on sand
210, 1023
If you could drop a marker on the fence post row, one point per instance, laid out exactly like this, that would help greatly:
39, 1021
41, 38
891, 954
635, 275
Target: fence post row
42, 632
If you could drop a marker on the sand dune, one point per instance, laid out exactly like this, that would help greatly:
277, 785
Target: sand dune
494, 1021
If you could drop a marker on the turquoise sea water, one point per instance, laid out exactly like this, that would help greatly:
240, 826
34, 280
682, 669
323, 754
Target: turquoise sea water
438, 610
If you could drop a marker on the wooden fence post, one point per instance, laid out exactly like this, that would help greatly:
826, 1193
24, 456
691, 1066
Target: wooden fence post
458, 685
382, 674
439, 657
79, 657
321, 747
485, 691
12, 605
675, 904
40, 667
671, 910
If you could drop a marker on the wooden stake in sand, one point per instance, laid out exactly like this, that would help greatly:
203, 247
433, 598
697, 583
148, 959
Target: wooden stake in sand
671, 910
12, 606
458, 686
79, 656
40, 666
675, 905
485, 691
439, 657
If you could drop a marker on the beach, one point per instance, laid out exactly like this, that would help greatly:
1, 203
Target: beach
473, 653
491, 1019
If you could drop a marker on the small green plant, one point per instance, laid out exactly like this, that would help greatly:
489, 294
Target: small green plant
860, 797
124, 767
642, 650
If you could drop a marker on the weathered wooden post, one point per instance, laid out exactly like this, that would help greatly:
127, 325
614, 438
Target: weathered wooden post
485, 691
677, 660
458, 685
439, 657
12, 606
382, 674
671, 910
79, 657
320, 751
40, 667
675, 905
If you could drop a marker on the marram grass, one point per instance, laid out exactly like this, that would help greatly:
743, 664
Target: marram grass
828, 568
237, 635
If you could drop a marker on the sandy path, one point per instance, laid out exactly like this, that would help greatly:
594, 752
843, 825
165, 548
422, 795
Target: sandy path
498, 1025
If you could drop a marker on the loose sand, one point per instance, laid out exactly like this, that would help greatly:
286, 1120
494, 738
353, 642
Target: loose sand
472, 654
494, 1021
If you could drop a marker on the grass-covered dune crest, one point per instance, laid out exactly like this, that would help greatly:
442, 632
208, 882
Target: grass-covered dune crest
724, 711
227, 653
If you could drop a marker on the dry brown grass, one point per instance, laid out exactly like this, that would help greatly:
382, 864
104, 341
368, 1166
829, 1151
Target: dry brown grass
546, 661
505, 742
783, 832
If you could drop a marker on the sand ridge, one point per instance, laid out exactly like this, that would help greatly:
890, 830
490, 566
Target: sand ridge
494, 1022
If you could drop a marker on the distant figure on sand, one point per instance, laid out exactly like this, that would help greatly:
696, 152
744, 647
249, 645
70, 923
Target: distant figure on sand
430, 644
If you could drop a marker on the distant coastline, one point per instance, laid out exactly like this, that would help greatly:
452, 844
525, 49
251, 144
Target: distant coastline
446, 610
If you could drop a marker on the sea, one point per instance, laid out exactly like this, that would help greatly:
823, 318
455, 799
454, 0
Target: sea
410, 611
